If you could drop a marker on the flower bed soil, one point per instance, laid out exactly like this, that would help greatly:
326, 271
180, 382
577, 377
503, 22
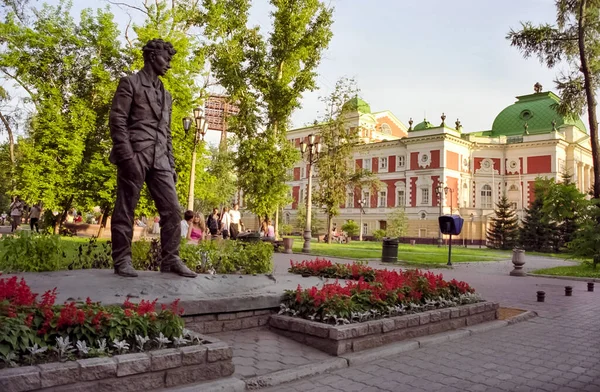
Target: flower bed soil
342, 339
128, 372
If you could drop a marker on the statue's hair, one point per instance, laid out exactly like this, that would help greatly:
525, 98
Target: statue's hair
157, 44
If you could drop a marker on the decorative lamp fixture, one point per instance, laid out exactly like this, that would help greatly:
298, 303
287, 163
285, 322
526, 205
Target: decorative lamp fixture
187, 124
311, 139
303, 146
198, 112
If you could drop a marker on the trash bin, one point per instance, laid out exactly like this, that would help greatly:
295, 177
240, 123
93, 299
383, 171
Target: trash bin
249, 237
389, 251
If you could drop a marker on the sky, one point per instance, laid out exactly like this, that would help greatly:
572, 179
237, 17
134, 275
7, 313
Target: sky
419, 58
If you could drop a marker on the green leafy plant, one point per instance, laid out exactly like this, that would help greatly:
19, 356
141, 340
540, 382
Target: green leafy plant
351, 228
30, 252
94, 254
379, 234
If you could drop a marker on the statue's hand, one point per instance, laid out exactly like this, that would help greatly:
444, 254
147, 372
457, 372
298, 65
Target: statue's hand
131, 168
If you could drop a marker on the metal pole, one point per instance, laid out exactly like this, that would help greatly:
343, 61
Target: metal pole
360, 238
439, 192
190, 205
307, 228
450, 251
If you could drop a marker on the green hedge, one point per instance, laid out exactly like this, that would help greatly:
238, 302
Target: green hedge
25, 252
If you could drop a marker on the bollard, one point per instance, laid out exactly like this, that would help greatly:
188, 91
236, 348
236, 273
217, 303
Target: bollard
590, 286
541, 296
568, 291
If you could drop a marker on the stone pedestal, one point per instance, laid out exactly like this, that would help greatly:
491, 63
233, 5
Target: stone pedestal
287, 245
518, 260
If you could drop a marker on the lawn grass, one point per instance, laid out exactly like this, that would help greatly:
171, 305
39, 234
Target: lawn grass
582, 270
407, 254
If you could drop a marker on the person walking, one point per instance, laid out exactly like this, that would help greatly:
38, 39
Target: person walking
16, 211
225, 223
212, 223
236, 217
34, 217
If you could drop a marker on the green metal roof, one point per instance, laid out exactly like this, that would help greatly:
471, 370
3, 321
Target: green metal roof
537, 111
357, 105
423, 126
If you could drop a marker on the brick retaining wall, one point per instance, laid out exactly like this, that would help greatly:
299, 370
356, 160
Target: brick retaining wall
233, 321
342, 339
129, 372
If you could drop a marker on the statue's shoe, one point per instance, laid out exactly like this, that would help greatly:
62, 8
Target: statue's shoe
126, 270
180, 269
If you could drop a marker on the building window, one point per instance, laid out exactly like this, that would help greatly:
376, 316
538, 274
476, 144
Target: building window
365, 229
425, 196
367, 198
486, 196
286, 218
423, 215
367, 164
301, 196
383, 164
382, 199
385, 128
303, 172
401, 161
350, 200
401, 199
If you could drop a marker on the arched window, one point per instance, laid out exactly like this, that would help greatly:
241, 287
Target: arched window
486, 196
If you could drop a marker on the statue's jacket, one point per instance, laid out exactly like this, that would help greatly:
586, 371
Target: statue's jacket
138, 124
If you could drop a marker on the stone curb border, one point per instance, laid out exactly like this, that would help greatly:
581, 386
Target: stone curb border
565, 277
368, 356
127, 372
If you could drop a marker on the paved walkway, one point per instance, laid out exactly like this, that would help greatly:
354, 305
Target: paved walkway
557, 351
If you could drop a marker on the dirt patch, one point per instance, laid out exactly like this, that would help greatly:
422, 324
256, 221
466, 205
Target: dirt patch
506, 313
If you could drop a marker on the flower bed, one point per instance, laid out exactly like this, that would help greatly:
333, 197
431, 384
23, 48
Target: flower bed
390, 293
327, 269
33, 331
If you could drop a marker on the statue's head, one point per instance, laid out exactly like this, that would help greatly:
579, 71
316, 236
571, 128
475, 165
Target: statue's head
158, 54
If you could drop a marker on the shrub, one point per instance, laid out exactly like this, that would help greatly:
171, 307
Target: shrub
379, 234
30, 252
351, 228
94, 254
28, 327
225, 257
327, 269
286, 229
391, 293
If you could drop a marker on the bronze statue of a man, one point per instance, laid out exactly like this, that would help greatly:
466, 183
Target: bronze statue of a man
140, 127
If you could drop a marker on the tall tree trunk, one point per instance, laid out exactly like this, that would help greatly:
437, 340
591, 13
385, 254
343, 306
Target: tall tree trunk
590, 96
11, 139
63, 216
329, 227
103, 220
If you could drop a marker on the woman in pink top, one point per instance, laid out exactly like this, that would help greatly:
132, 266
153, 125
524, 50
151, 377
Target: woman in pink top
197, 228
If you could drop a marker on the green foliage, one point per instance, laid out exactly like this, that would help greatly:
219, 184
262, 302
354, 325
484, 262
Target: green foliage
397, 223
29, 252
379, 235
266, 77
573, 40
93, 254
286, 229
316, 224
586, 242
504, 226
336, 168
351, 228
218, 184
225, 257
537, 232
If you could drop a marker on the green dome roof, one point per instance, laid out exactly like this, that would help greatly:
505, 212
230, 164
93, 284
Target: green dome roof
357, 105
423, 126
537, 110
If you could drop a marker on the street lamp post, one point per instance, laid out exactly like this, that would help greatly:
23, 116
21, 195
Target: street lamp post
201, 128
311, 150
361, 203
439, 191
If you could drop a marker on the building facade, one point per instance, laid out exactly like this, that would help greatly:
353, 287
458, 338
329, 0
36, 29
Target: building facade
431, 170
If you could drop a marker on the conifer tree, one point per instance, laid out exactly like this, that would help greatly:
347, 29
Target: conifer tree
504, 230
537, 233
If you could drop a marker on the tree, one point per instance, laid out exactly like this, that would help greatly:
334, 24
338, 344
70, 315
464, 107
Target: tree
266, 77
316, 225
504, 230
564, 205
336, 171
576, 39
586, 242
67, 71
216, 186
537, 232
397, 223
351, 228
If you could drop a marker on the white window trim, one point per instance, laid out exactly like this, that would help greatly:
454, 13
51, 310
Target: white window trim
398, 165
379, 199
365, 228
491, 197
364, 166
383, 169
422, 194
400, 186
367, 199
